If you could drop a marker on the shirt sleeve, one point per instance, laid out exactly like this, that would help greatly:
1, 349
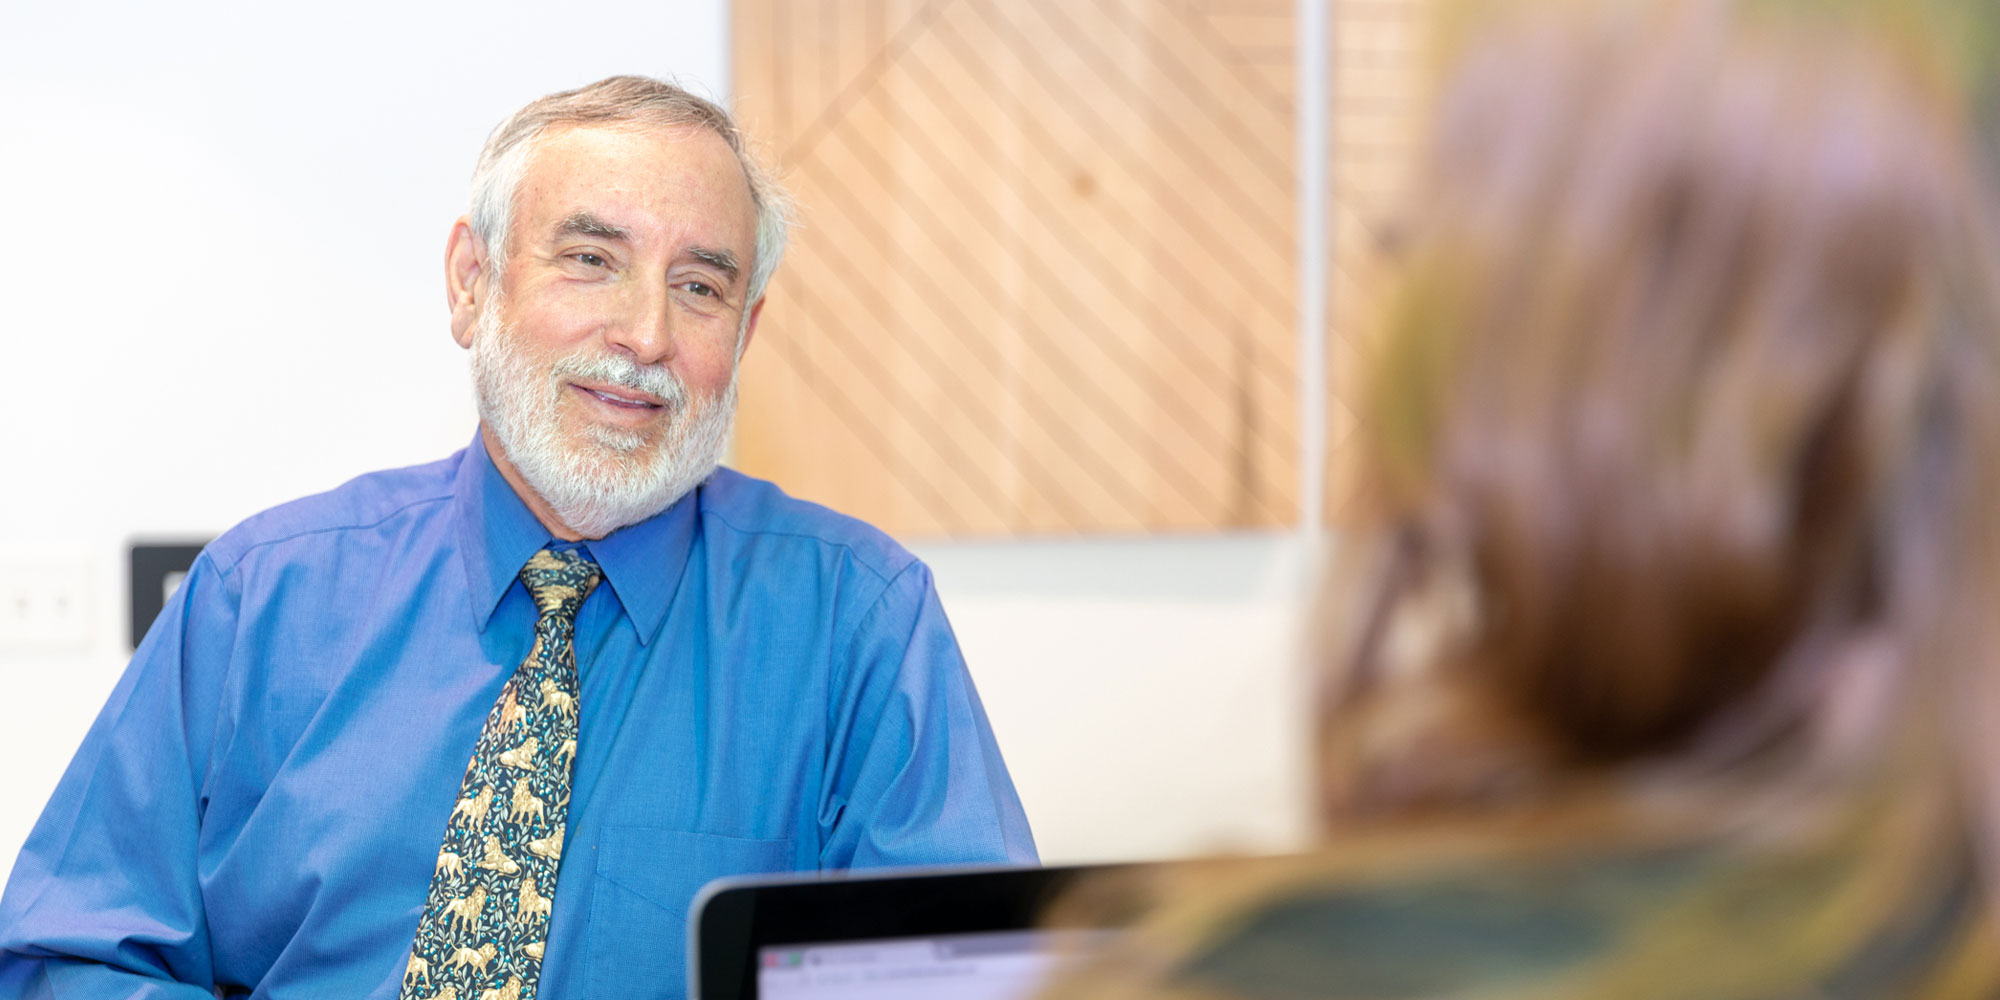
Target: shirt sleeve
914, 776
105, 898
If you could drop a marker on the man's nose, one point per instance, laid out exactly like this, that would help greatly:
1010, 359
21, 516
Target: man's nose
643, 326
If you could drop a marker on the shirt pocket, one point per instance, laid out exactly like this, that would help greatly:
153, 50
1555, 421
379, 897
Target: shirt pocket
646, 877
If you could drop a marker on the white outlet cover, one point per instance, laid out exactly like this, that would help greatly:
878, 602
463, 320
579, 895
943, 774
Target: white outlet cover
44, 603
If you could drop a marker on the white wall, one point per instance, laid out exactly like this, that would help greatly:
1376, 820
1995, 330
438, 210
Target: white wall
220, 288
1144, 691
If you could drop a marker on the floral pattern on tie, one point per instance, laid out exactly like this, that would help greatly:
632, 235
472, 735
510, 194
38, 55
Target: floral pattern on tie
485, 924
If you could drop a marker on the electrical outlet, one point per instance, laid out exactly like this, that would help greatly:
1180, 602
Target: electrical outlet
44, 603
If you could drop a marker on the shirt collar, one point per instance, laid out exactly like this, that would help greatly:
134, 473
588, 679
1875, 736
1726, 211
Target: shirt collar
641, 563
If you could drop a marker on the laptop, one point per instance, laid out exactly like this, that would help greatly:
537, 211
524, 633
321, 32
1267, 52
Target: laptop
966, 934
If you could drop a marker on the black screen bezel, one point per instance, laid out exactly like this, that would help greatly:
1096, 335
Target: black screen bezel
733, 923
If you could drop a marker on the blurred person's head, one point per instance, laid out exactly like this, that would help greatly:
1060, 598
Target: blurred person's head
1680, 428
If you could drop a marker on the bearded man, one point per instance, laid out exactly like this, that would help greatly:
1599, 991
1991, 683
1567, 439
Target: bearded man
488, 724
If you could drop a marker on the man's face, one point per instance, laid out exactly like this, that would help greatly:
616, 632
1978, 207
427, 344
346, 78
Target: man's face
605, 366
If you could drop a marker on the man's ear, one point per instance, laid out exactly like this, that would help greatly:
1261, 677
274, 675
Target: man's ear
465, 279
749, 329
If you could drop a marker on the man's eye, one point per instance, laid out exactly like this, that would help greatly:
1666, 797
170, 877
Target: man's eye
589, 259
699, 288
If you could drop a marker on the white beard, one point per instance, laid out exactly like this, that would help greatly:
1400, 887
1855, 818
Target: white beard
604, 477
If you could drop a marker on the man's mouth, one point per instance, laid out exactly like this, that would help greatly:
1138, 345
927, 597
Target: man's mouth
620, 396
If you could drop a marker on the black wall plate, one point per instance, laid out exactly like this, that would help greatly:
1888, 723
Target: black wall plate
157, 569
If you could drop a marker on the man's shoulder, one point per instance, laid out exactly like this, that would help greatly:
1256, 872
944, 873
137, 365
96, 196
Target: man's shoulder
752, 508
364, 503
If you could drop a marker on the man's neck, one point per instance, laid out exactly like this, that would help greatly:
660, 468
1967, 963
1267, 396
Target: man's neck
536, 505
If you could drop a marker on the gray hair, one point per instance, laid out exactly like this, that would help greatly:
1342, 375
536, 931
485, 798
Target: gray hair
627, 102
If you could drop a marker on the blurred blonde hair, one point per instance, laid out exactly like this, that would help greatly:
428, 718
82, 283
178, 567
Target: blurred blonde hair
1681, 427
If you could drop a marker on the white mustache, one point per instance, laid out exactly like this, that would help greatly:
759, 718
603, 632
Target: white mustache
653, 380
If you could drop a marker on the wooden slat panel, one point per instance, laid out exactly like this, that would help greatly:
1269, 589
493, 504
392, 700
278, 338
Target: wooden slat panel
1045, 281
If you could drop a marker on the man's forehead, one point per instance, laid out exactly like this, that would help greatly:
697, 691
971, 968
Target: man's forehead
579, 151
612, 182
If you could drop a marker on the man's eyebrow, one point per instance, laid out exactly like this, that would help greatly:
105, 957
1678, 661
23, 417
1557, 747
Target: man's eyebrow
721, 260
586, 224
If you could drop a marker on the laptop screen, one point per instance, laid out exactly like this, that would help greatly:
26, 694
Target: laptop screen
1005, 965
963, 934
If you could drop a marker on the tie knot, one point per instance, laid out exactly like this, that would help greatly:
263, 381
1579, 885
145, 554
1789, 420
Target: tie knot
559, 581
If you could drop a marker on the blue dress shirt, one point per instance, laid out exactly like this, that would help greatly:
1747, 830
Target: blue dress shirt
766, 686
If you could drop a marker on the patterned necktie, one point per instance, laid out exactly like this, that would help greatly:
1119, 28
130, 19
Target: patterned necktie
487, 918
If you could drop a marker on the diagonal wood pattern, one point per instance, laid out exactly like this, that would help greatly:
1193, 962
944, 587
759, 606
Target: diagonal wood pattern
1044, 281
